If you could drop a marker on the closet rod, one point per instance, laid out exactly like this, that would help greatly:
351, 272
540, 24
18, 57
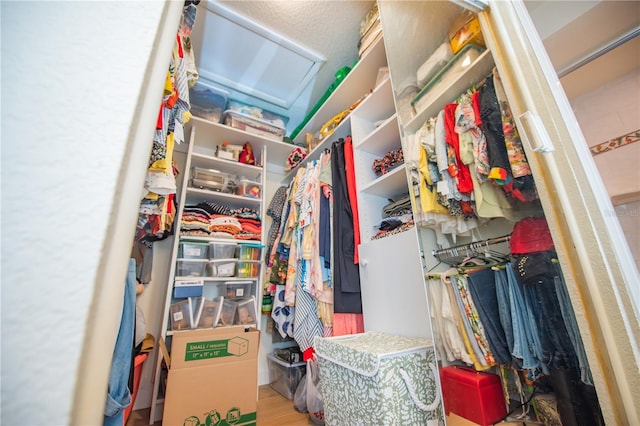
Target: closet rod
599, 52
471, 246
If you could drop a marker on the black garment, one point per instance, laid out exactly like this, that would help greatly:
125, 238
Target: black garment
496, 147
346, 274
325, 230
275, 212
540, 293
577, 402
492, 126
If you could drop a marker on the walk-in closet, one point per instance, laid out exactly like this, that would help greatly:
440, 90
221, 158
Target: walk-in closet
313, 212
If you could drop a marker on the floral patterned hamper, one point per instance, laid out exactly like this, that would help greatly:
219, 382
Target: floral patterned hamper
379, 379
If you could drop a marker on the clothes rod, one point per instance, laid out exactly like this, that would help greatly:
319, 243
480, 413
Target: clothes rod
599, 52
472, 246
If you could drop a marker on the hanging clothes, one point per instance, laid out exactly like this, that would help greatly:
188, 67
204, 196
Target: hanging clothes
346, 274
446, 326
483, 291
352, 193
491, 126
118, 392
463, 178
275, 212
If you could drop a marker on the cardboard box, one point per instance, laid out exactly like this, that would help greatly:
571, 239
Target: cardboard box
213, 377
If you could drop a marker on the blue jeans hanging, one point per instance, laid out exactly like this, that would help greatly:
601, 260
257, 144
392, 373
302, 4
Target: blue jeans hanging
118, 393
483, 291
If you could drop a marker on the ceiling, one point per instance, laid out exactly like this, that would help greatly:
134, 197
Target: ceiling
329, 30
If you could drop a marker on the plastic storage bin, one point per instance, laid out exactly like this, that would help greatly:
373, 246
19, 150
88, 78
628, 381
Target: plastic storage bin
210, 314
212, 180
386, 366
207, 102
228, 313
249, 252
447, 75
246, 312
191, 267
248, 188
180, 314
193, 250
222, 268
238, 289
222, 251
252, 125
248, 269
191, 288
285, 377
271, 118
474, 395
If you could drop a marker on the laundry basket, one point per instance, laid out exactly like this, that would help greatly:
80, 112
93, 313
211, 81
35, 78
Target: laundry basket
379, 379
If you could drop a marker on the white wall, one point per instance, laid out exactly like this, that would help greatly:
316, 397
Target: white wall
610, 111
72, 171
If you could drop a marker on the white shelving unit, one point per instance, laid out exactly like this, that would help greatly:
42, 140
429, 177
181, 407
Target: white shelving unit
210, 131
393, 294
360, 81
375, 132
204, 137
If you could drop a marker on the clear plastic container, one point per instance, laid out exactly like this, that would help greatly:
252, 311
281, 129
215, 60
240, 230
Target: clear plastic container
210, 315
208, 102
228, 314
222, 251
248, 269
238, 290
252, 125
180, 314
222, 268
191, 267
246, 312
249, 252
213, 180
448, 74
193, 250
248, 188
285, 377
276, 120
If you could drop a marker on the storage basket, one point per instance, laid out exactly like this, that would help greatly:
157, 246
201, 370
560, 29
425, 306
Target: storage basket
379, 379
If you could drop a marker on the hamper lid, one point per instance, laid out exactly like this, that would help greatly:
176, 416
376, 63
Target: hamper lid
531, 235
363, 352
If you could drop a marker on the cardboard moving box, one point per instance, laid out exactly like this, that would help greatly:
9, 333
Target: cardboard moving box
213, 377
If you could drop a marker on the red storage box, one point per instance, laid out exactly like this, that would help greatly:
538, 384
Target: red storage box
476, 396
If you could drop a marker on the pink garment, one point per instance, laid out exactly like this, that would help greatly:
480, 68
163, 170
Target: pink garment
344, 324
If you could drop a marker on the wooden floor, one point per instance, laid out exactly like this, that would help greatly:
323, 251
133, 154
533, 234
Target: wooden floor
276, 410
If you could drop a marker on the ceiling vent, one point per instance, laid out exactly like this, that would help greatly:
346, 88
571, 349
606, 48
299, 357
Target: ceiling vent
245, 56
